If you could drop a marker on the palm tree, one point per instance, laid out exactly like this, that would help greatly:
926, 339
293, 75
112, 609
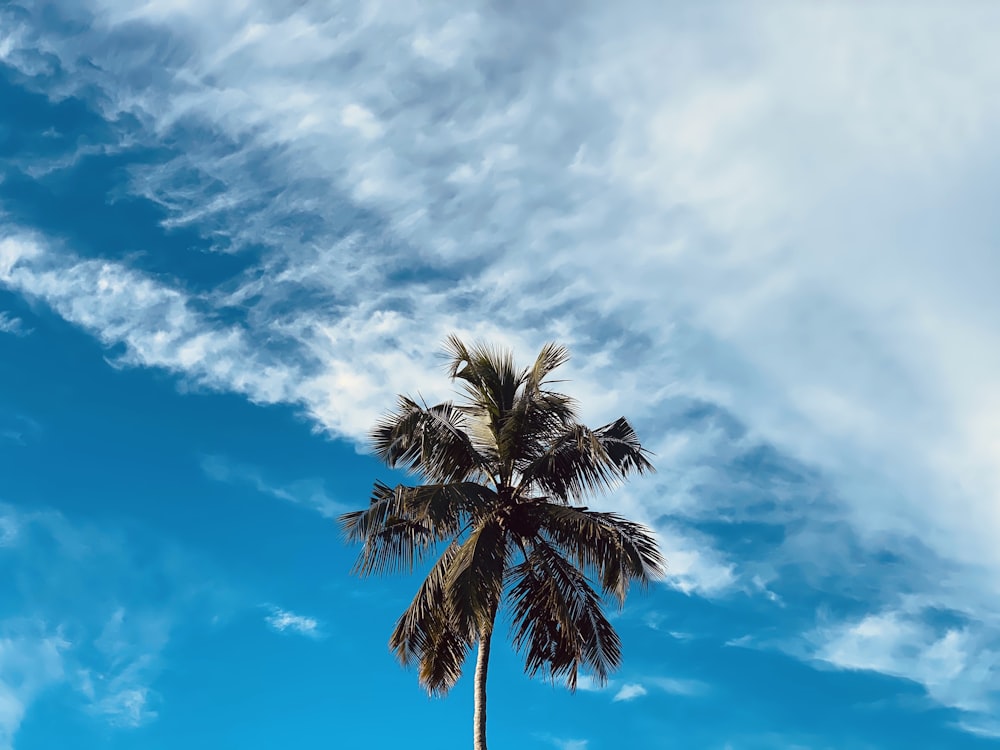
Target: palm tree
502, 475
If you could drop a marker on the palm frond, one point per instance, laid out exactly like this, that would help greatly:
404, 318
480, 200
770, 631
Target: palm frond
619, 551
490, 379
430, 440
539, 414
427, 617
403, 524
538, 419
557, 619
623, 448
475, 579
582, 461
551, 356
442, 660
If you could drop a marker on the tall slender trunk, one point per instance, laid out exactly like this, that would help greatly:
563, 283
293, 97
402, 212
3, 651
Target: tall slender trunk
479, 713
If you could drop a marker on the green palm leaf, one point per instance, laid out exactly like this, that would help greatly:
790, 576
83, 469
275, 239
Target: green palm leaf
426, 632
558, 621
432, 441
581, 462
402, 525
619, 551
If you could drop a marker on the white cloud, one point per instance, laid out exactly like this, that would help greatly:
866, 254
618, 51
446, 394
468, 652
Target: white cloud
629, 691
157, 324
588, 683
30, 662
957, 663
9, 530
284, 621
982, 726
693, 565
361, 119
12, 325
19, 429
126, 707
677, 686
130, 643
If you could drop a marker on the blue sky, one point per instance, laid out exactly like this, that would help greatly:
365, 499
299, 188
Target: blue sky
231, 232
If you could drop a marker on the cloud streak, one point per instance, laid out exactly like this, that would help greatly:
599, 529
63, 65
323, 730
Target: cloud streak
306, 493
30, 662
13, 325
629, 692
956, 662
284, 621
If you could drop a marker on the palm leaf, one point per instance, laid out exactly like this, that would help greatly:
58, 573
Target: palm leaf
428, 440
618, 550
402, 525
490, 379
582, 461
427, 620
475, 580
442, 659
557, 619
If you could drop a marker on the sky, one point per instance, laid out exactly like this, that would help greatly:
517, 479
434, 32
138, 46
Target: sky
232, 231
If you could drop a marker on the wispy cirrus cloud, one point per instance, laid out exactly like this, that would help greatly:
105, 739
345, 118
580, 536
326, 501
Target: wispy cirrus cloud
31, 661
284, 621
308, 493
588, 683
13, 325
19, 429
637, 688
629, 692
78, 616
678, 686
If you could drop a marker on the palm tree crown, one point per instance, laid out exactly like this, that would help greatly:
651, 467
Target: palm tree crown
503, 473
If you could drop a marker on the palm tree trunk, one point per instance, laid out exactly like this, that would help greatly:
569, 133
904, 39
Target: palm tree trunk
479, 713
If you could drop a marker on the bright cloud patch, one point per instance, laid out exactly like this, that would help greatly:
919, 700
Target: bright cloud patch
284, 621
588, 683
957, 663
629, 691
12, 325
676, 686
29, 664
740, 313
